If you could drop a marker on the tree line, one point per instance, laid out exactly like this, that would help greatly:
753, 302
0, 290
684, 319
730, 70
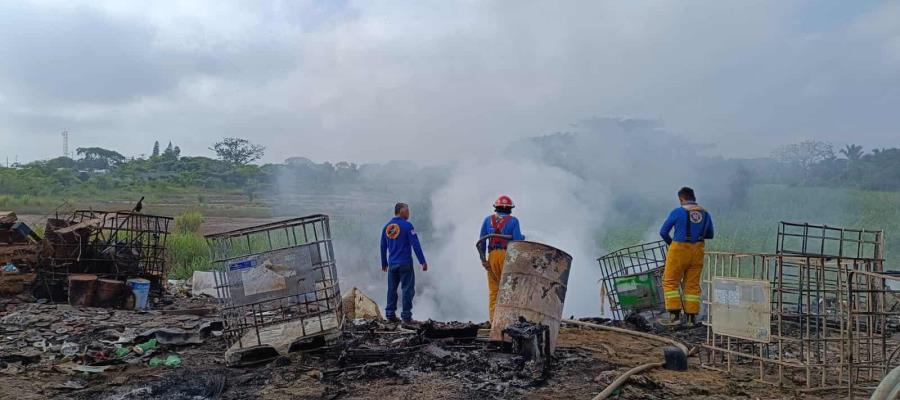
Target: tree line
98, 169
808, 163
817, 163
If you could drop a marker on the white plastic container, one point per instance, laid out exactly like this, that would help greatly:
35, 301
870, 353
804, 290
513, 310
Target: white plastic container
141, 290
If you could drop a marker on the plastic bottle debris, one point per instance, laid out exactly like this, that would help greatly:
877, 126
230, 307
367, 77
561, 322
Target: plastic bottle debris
69, 349
173, 360
122, 352
10, 268
143, 347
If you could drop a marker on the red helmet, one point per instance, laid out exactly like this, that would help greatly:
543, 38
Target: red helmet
504, 201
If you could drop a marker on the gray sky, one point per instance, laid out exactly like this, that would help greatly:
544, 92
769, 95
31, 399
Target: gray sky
432, 80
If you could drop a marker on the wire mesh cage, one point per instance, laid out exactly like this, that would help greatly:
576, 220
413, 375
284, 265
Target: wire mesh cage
825, 316
110, 244
278, 286
632, 278
829, 241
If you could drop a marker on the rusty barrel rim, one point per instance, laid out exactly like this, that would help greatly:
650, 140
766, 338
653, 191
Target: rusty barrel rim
529, 242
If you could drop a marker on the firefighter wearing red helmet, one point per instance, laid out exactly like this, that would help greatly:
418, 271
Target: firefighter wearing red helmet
496, 232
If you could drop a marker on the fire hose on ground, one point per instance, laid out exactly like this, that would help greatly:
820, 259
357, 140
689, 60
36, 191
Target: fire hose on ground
480, 255
677, 356
889, 388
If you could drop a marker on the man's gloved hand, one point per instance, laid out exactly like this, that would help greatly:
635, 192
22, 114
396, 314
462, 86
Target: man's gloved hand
485, 264
424, 267
384, 268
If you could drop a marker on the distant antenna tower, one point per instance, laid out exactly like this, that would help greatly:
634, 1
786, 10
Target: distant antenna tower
65, 135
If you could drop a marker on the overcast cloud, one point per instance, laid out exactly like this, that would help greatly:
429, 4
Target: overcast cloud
429, 81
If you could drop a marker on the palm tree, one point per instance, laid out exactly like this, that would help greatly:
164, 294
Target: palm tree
853, 152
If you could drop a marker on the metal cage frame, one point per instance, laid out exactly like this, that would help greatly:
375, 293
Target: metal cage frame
630, 261
110, 244
829, 241
247, 318
829, 321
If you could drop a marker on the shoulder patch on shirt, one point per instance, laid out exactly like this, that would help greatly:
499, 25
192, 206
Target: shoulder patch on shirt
392, 231
412, 232
696, 216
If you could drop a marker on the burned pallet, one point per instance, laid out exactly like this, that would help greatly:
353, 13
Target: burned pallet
444, 330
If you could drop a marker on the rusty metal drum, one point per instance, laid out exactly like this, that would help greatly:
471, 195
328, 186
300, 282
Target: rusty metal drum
109, 293
81, 289
533, 286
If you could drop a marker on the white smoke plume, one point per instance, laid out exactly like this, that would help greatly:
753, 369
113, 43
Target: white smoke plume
549, 211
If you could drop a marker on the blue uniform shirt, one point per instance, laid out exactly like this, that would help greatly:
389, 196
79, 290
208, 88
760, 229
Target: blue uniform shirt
398, 238
700, 222
511, 228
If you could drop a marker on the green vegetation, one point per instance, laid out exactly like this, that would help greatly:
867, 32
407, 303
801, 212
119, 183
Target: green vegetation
188, 222
753, 228
187, 249
805, 182
813, 163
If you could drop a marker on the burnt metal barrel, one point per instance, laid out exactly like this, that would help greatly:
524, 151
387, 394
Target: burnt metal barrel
533, 286
81, 289
109, 293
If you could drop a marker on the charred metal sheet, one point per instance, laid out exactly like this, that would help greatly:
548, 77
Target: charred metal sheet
443, 330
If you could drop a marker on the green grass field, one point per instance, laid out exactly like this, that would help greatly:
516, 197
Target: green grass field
753, 227
750, 227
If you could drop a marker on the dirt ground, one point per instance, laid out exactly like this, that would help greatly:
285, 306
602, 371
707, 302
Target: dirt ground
586, 361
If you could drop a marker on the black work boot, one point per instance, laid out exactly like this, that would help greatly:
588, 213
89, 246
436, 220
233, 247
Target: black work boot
692, 320
673, 320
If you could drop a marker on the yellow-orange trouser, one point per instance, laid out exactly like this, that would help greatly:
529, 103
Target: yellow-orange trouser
684, 262
495, 270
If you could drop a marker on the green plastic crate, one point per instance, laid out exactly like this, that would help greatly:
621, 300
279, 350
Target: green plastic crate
637, 292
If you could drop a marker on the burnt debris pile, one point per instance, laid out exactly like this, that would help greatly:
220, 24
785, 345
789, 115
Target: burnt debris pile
112, 259
375, 350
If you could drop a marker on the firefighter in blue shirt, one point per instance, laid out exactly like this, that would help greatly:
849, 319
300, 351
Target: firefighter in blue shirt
502, 227
684, 260
398, 241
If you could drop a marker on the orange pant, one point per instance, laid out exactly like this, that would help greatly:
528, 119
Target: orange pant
684, 264
495, 266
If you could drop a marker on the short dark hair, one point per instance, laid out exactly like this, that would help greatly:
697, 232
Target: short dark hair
399, 207
687, 194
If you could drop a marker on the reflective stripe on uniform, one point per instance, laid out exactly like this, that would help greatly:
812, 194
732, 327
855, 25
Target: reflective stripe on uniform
672, 293
691, 297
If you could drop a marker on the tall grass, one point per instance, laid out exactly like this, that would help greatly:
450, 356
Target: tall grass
187, 249
189, 222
